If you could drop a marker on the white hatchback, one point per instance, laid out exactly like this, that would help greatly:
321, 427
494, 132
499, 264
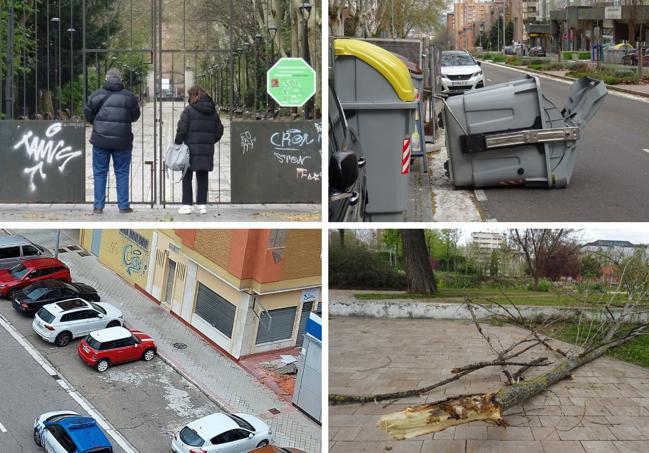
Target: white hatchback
62, 321
223, 433
460, 72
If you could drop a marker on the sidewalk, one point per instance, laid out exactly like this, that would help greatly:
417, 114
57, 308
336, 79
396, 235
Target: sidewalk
144, 213
223, 380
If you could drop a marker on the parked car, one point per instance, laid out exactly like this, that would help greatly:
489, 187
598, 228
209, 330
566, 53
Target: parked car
62, 321
31, 271
14, 249
115, 345
222, 433
33, 297
276, 449
347, 182
509, 50
537, 51
460, 72
69, 432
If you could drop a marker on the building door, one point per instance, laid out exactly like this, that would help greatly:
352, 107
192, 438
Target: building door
169, 285
304, 317
96, 242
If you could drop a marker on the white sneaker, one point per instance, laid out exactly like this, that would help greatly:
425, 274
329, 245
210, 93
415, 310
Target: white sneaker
185, 209
202, 209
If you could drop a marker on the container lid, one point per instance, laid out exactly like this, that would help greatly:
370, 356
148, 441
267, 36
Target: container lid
386, 63
585, 99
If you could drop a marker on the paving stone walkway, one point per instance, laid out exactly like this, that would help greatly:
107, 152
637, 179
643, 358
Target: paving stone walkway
215, 374
603, 408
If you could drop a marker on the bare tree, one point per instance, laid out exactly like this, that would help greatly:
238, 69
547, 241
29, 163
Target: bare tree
419, 271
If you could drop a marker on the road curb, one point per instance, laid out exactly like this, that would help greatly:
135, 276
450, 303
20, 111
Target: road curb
569, 79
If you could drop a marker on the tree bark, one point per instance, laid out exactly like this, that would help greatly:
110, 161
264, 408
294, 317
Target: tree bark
419, 272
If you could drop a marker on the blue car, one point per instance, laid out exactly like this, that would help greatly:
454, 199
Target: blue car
69, 432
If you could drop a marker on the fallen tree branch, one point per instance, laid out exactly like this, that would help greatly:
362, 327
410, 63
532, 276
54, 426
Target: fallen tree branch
474, 366
438, 416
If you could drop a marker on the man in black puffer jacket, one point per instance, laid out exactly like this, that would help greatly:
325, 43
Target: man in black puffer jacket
111, 110
199, 127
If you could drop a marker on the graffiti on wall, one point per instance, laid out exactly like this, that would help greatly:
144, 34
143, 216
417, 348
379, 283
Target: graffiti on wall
133, 260
43, 161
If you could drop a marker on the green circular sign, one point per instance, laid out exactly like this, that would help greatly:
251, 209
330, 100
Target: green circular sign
291, 82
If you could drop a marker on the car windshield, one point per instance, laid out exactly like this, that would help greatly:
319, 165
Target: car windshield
99, 308
59, 417
99, 450
93, 343
457, 59
45, 315
19, 271
190, 437
241, 422
35, 293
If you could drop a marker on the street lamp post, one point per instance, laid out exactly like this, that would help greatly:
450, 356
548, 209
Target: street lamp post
57, 65
239, 81
246, 46
71, 30
305, 10
257, 42
272, 31
9, 81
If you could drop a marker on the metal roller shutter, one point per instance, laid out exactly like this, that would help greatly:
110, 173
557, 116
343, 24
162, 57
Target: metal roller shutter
281, 326
215, 310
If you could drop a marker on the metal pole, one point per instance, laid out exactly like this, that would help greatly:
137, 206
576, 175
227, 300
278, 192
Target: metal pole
154, 42
231, 58
36, 62
72, 31
9, 81
58, 243
59, 56
162, 174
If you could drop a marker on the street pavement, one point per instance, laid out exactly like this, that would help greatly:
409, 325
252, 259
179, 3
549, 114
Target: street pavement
217, 376
26, 392
602, 408
612, 168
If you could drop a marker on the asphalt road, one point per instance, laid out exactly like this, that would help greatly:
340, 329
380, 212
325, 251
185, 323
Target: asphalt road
611, 177
145, 401
26, 391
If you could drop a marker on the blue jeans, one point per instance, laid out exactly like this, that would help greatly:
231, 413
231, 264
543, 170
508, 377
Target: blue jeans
121, 165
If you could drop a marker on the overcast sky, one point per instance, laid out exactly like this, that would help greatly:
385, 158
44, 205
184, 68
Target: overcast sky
638, 234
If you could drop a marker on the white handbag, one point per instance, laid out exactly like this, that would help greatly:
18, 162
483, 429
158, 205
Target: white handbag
177, 159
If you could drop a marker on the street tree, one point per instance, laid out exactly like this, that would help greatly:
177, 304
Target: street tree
419, 271
493, 264
590, 267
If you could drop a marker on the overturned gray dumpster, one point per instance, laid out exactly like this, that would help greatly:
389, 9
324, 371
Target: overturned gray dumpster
510, 134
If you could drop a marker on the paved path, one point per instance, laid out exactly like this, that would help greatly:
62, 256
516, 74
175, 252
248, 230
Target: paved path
217, 375
604, 408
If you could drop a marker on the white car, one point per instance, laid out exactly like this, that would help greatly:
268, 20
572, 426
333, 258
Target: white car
223, 433
62, 321
67, 431
460, 72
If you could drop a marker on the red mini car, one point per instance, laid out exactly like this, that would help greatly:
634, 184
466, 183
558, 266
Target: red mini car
30, 271
115, 345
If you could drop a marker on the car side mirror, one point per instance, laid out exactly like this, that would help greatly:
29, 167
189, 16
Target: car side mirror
343, 170
251, 435
479, 63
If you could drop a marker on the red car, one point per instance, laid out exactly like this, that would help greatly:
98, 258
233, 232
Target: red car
115, 345
30, 271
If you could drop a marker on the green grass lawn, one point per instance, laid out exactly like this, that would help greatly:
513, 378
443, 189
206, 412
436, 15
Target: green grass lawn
635, 351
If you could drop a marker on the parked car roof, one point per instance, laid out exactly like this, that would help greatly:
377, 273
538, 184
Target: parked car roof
111, 334
13, 240
84, 432
212, 425
41, 262
67, 305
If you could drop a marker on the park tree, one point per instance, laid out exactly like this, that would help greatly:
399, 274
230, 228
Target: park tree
539, 247
419, 271
590, 267
493, 264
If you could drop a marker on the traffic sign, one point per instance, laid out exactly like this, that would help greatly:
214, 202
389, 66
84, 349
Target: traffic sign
291, 82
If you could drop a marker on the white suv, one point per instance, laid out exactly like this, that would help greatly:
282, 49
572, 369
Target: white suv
460, 72
62, 321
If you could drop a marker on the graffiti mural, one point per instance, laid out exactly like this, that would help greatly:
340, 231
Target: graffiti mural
42, 162
133, 260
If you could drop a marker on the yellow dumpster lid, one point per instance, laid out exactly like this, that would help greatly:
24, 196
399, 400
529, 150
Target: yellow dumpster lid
386, 63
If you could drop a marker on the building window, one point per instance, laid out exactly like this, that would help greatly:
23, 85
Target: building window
279, 326
215, 310
277, 243
135, 237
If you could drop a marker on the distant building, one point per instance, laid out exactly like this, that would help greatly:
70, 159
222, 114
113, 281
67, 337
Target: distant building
487, 241
611, 248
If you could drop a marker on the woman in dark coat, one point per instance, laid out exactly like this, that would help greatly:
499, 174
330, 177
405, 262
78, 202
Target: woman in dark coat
199, 127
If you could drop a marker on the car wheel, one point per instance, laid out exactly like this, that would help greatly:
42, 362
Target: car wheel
149, 354
11, 294
113, 324
37, 438
263, 443
102, 365
63, 339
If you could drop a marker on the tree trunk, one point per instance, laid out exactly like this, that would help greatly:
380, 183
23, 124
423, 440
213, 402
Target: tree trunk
419, 272
436, 417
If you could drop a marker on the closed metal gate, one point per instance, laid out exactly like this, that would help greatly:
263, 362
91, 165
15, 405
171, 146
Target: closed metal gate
215, 310
280, 327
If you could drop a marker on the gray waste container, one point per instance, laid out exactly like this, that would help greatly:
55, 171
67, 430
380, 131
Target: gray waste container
510, 134
379, 100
